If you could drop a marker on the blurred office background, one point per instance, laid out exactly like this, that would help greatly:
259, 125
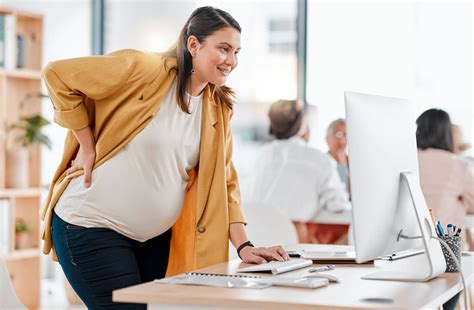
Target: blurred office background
419, 50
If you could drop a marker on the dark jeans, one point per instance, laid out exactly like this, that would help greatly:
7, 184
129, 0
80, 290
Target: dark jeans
97, 261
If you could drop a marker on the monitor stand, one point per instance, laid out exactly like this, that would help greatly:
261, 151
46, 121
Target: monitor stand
421, 267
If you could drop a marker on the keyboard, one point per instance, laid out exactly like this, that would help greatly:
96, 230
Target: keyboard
276, 267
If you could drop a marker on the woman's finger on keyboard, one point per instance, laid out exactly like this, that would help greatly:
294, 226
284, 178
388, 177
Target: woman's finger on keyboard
270, 254
281, 251
250, 256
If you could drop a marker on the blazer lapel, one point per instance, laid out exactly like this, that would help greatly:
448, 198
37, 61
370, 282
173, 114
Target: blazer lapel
207, 152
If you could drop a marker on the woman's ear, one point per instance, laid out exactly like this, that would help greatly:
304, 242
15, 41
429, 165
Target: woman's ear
192, 45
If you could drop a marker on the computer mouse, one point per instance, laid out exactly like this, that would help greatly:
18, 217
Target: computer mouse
330, 277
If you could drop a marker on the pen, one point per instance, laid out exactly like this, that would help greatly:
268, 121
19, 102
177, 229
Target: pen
440, 229
322, 268
450, 230
432, 217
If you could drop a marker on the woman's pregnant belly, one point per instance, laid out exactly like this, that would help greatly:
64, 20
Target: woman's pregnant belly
135, 203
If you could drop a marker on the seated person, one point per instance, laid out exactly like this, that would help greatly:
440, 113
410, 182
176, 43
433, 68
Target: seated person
291, 176
447, 181
337, 143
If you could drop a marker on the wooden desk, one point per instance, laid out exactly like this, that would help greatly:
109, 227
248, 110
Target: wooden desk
349, 294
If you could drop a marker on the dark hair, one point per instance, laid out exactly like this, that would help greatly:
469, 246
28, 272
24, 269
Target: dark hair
434, 130
203, 22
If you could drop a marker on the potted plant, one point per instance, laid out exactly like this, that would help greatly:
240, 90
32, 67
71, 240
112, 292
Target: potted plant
22, 134
21, 233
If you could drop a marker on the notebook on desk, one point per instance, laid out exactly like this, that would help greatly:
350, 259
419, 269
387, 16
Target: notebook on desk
241, 281
219, 280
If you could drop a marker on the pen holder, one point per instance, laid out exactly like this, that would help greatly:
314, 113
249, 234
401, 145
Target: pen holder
454, 243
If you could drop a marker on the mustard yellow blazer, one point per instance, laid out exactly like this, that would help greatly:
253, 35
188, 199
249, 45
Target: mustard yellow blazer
117, 95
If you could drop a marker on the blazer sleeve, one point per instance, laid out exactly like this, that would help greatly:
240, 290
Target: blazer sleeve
233, 190
70, 80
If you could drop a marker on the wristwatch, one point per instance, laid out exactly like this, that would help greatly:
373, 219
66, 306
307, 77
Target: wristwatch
243, 245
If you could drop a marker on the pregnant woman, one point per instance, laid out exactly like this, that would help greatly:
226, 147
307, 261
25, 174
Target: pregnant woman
146, 186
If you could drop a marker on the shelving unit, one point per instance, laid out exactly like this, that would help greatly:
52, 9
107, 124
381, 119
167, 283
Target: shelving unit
15, 83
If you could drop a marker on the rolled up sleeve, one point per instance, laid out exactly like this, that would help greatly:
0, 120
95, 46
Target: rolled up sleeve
69, 81
75, 118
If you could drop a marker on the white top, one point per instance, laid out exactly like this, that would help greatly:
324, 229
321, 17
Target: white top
139, 192
297, 179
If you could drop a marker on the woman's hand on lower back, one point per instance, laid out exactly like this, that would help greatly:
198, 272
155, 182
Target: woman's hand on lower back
85, 157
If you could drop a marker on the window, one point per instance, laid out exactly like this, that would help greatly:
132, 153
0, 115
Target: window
282, 35
143, 24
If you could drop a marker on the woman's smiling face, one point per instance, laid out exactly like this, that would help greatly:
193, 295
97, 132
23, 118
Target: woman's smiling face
216, 57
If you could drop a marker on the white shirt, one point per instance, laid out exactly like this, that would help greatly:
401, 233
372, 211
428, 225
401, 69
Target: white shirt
297, 179
139, 192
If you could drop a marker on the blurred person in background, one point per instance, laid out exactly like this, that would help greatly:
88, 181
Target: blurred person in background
447, 180
293, 177
337, 143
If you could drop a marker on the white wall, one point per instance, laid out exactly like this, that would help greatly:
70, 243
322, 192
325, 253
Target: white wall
419, 50
443, 72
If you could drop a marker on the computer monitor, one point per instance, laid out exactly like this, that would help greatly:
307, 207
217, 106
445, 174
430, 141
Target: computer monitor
385, 189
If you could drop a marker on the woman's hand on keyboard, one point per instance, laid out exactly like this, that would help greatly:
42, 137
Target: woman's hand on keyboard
262, 255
